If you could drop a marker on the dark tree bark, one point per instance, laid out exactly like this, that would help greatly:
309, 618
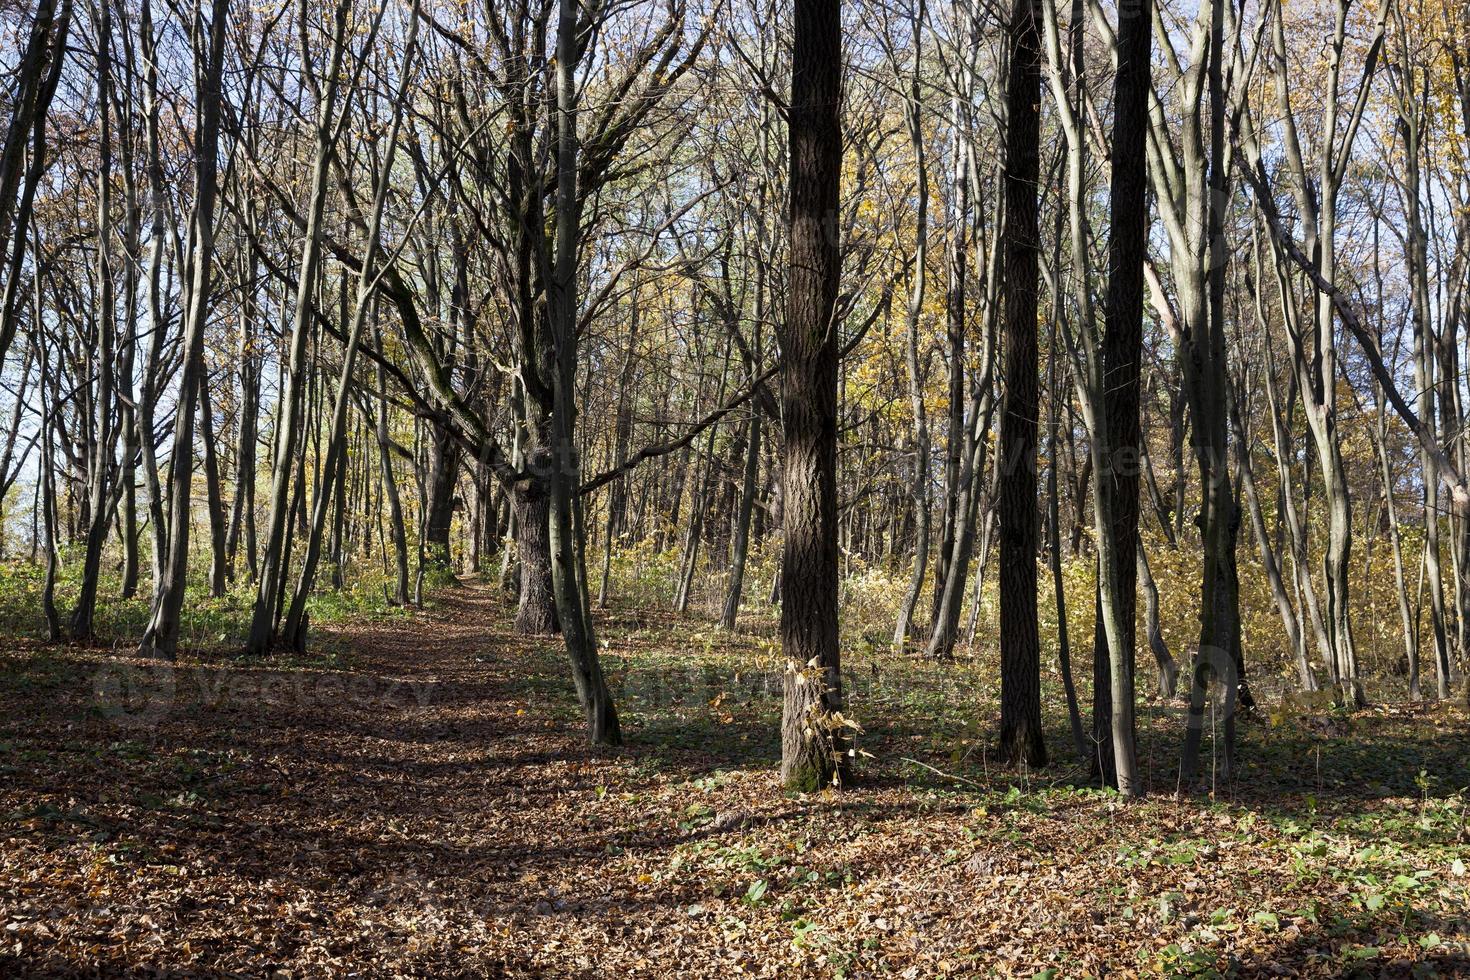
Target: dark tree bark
37, 71
536, 612
1021, 741
444, 460
1122, 351
813, 753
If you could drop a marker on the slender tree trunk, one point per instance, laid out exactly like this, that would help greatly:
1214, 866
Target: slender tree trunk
272, 578
740, 546
568, 568
213, 494
34, 77
101, 465
396, 529
1054, 548
332, 478
919, 488
1295, 638
161, 638
1122, 352
242, 508
48, 509
1168, 669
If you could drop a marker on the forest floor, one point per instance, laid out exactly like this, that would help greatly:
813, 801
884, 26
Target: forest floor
416, 798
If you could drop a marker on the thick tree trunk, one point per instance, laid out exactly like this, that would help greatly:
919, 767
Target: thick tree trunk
1021, 738
536, 613
1218, 656
813, 744
444, 460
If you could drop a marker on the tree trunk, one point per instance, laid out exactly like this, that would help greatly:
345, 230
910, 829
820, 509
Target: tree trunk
740, 546
568, 552
813, 744
536, 613
396, 529
1021, 737
444, 459
1117, 478
271, 582
919, 486
161, 638
101, 466
213, 494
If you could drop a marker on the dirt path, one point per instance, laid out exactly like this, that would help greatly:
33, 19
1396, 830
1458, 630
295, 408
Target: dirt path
304, 816
415, 798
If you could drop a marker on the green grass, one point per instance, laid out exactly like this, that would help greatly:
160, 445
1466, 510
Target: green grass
207, 622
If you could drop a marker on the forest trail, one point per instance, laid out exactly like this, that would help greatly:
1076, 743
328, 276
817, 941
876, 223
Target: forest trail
296, 814
416, 798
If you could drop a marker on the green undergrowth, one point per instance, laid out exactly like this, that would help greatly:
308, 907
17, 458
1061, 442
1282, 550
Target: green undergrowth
208, 622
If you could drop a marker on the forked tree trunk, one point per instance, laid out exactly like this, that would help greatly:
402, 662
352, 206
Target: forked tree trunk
101, 468
272, 580
161, 638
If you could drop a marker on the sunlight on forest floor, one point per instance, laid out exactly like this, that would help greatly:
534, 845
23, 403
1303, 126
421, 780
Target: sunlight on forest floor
419, 800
